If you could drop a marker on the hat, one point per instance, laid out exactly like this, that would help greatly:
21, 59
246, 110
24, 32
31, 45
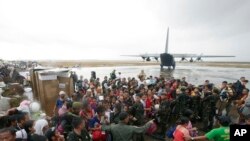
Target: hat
77, 105
62, 93
123, 115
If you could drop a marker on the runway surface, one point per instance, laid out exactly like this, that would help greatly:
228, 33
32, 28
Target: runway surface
194, 74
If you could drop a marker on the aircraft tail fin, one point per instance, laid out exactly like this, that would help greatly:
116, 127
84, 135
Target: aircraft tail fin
166, 47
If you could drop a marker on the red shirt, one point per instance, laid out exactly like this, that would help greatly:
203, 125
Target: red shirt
180, 132
148, 103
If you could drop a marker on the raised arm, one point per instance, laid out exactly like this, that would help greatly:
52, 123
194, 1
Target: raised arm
143, 128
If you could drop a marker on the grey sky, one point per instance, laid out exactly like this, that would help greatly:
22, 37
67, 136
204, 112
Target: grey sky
106, 29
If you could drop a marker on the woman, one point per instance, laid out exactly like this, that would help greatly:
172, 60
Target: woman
181, 132
192, 130
29, 127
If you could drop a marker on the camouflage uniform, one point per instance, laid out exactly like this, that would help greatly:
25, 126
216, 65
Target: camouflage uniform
183, 101
208, 110
123, 132
196, 104
138, 112
164, 115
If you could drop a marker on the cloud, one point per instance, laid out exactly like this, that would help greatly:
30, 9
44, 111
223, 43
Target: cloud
107, 29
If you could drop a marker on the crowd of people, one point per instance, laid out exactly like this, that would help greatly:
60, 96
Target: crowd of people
124, 109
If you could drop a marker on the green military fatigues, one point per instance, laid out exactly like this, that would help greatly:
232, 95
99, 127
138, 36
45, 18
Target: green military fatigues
124, 132
196, 106
183, 102
208, 111
164, 114
138, 113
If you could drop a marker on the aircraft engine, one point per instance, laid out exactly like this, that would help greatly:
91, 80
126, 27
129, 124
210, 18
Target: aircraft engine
198, 59
148, 59
183, 59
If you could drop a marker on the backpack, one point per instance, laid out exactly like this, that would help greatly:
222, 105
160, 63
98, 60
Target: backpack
152, 129
224, 95
170, 131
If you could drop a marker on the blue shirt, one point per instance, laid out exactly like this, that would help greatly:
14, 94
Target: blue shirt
93, 122
59, 103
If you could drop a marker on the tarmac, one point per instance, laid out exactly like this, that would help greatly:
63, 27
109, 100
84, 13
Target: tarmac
194, 73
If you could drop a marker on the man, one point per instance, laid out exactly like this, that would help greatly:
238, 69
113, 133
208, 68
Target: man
223, 85
79, 132
164, 114
142, 75
113, 75
79, 84
7, 134
74, 77
59, 102
217, 134
183, 101
105, 85
196, 102
184, 82
122, 131
239, 86
137, 110
209, 109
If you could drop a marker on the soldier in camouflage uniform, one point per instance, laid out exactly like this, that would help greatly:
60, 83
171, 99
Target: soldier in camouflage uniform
164, 114
208, 110
137, 110
124, 132
196, 103
183, 102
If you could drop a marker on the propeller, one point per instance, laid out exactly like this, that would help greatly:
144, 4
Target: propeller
156, 58
183, 59
199, 57
148, 59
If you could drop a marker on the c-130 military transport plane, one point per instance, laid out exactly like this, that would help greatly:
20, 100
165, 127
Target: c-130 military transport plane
167, 59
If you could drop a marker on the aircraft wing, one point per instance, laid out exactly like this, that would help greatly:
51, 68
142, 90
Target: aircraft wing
179, 55
158, 55
144, 55
212, 56
183, 55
